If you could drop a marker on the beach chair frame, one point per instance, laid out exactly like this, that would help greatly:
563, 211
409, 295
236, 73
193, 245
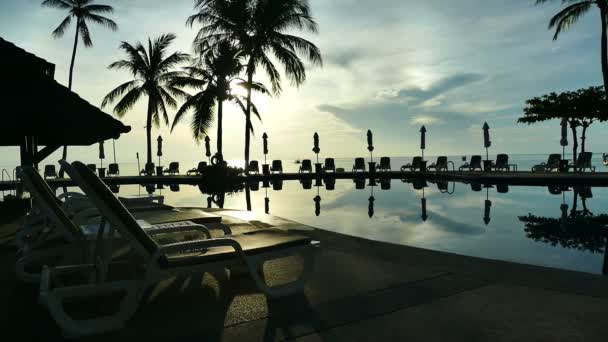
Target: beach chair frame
156, 266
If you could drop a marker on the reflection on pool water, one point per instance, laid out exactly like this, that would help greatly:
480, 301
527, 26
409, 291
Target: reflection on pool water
534, 225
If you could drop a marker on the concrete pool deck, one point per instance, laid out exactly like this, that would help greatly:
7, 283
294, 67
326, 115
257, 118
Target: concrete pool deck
361, 290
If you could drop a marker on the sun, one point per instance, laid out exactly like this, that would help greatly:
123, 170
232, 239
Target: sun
236, 89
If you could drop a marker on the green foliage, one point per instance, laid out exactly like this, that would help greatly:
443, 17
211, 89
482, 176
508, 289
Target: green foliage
583, 104
585, 233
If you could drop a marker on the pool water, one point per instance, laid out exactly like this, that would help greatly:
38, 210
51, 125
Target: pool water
485, 222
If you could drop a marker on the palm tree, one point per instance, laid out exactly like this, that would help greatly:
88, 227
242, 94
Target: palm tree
82, 11
570, 16
153, 72
213, 80
261, 29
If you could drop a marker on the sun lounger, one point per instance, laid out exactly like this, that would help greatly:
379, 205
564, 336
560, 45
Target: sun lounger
385, 164
306, 166
65, 236
359, 165
330, 165
552, 164
440, 165
473, 165
276, 167
148, 170
416, 164
502, 163
583, 162
92, 167
113, 170
173, 169
198, 170
254, 167
330, 184
359, 183
159, 262
306, 183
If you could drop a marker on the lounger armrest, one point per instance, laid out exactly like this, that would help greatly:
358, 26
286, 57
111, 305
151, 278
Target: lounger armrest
187, 246
177, 227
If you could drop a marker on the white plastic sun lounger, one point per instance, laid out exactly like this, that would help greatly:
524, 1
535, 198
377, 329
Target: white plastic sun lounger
50, 236
158, 262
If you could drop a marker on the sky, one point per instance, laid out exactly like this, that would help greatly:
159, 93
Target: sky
389, 66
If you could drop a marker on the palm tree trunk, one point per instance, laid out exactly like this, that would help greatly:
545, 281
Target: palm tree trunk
603, 12
574, 203
149, 134
73, 56
584, 137
64, 155
574, 143
220, 111
248, 112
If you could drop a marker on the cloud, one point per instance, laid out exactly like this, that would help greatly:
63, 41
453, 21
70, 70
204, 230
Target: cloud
424, 120
441, 87
344, 57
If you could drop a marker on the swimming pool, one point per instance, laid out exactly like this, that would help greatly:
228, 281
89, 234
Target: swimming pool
557, 227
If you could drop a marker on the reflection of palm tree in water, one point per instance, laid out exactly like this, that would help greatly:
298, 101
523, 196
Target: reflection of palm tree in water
580, 229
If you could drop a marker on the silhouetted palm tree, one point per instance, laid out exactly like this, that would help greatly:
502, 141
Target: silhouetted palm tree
572, 13
213, 80
153, 71
261, 28
82, 11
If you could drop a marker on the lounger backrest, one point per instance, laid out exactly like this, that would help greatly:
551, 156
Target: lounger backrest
554, 159
277, 184
49, 170
330, 163
502, 159
307, 164
359, 163
113, 169
110, 207
442, 161
417, 162
254, 165
277, 165
385, 162
476, 161
44, 196
174, 166
201, 166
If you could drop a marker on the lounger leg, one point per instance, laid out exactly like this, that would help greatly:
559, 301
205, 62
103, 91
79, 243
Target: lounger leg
54, 300
46, 256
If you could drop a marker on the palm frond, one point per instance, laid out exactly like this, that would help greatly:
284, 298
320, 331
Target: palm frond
294, 68
83, 29
62, 4
99, 8
128, 101
60, 30
103, 21
273, 74
117, 92
568, 17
